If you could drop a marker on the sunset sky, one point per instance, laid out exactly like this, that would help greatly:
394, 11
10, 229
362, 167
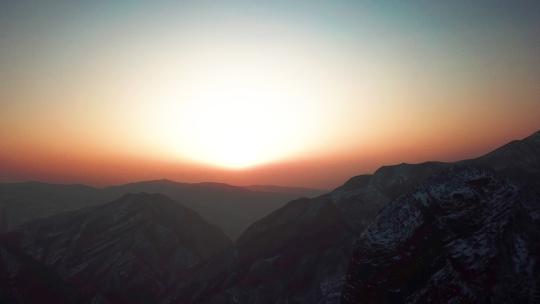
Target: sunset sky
300, 93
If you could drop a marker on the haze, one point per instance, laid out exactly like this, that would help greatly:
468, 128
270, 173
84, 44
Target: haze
251, 92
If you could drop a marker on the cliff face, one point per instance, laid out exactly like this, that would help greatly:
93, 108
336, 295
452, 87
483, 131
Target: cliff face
463, 236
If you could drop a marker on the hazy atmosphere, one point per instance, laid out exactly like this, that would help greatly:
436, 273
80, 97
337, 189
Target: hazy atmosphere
269, 152
303, 93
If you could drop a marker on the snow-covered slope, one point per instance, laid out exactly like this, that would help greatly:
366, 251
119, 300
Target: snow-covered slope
463, 236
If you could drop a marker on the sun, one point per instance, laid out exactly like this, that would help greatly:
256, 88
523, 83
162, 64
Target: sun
238, 109
238, 118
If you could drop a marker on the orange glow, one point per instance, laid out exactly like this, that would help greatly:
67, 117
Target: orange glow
272, 93
323, 171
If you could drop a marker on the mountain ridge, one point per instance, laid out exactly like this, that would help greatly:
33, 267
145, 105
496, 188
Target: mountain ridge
128, 250
317, 274
231, 207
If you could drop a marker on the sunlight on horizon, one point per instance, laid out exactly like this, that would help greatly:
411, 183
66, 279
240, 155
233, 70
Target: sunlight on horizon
239, 86
237, 105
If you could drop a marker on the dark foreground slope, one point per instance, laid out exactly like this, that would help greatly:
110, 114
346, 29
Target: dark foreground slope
463, 236
128, 250
24, 280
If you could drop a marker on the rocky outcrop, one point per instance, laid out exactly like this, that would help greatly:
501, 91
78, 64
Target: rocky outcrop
463, 236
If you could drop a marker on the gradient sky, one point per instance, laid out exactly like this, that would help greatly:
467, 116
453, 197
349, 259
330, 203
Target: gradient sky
303, 93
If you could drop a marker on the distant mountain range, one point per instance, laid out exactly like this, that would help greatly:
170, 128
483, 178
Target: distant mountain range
298, 191
231, 208
464, 232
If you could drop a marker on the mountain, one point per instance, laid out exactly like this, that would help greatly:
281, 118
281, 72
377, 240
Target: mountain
129, 250
431, 232
229, 207
518, 160
232, 208
464, 236
300, 253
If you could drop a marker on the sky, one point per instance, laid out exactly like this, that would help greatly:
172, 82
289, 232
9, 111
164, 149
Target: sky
303, 93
